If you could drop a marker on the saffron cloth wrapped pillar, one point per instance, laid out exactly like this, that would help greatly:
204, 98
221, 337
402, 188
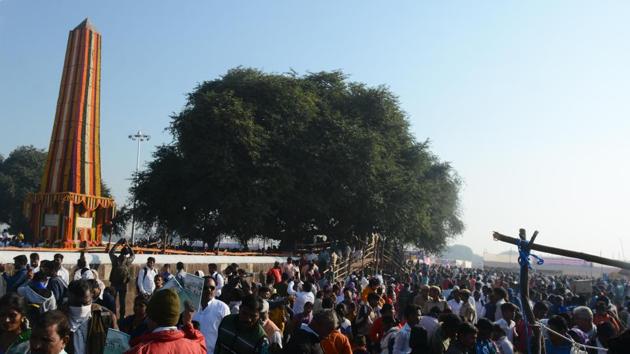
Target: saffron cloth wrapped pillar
69, 208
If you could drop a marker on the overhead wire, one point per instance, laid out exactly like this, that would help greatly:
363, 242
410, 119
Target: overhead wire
571, 340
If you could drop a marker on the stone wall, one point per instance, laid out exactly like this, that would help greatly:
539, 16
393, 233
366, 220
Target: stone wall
101, 263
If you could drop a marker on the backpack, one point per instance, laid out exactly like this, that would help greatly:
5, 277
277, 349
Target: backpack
146, 270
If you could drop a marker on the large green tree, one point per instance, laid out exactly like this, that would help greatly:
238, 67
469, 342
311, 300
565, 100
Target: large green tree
20, 174
286, 157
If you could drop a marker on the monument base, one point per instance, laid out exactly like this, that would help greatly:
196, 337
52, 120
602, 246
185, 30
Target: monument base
68, 220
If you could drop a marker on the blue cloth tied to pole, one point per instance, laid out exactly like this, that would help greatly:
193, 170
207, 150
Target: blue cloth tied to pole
524, 255
523, 260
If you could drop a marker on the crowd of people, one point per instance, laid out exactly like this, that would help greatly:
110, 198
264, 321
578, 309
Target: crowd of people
295, 308
7, 239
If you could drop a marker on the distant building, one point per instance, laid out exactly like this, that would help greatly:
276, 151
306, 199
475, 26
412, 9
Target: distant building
552, 264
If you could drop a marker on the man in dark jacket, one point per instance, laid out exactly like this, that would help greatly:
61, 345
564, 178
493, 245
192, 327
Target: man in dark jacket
242, 333
55, 284
305, 340
19, 276
121, 273
101, 297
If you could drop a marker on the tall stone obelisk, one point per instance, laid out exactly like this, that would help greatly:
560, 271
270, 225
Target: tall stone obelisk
69, 208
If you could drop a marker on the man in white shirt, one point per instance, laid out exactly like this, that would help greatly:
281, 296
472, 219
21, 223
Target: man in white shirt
293, 284
455, 303
218, 278
500, 296
210, 314
146, 276
63, 272
508, 310
303, 296
430, 324
364, 282
480, 305
500, 339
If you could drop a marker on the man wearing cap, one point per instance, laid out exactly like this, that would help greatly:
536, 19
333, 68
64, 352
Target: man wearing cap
467, 311
19, 277
165, 337
210, 314
434, 300
271, 330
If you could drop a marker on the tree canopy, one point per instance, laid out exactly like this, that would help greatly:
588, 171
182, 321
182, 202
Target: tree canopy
20, 174
286, 157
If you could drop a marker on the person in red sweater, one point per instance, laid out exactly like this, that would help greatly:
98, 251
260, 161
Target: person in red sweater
165, 337
275, 273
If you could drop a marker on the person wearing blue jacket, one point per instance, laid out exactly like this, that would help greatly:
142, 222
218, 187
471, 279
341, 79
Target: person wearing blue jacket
19, 276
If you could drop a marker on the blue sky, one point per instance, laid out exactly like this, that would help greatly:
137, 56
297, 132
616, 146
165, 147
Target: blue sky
527, 100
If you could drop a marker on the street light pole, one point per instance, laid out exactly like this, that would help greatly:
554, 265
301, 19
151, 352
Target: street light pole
139, 137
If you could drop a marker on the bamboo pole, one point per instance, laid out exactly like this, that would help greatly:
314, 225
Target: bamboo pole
562, 252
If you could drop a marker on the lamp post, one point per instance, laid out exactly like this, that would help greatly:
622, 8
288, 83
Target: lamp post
139, 137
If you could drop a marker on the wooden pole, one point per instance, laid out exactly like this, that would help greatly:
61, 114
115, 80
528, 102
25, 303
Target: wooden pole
562, 252
536, 345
